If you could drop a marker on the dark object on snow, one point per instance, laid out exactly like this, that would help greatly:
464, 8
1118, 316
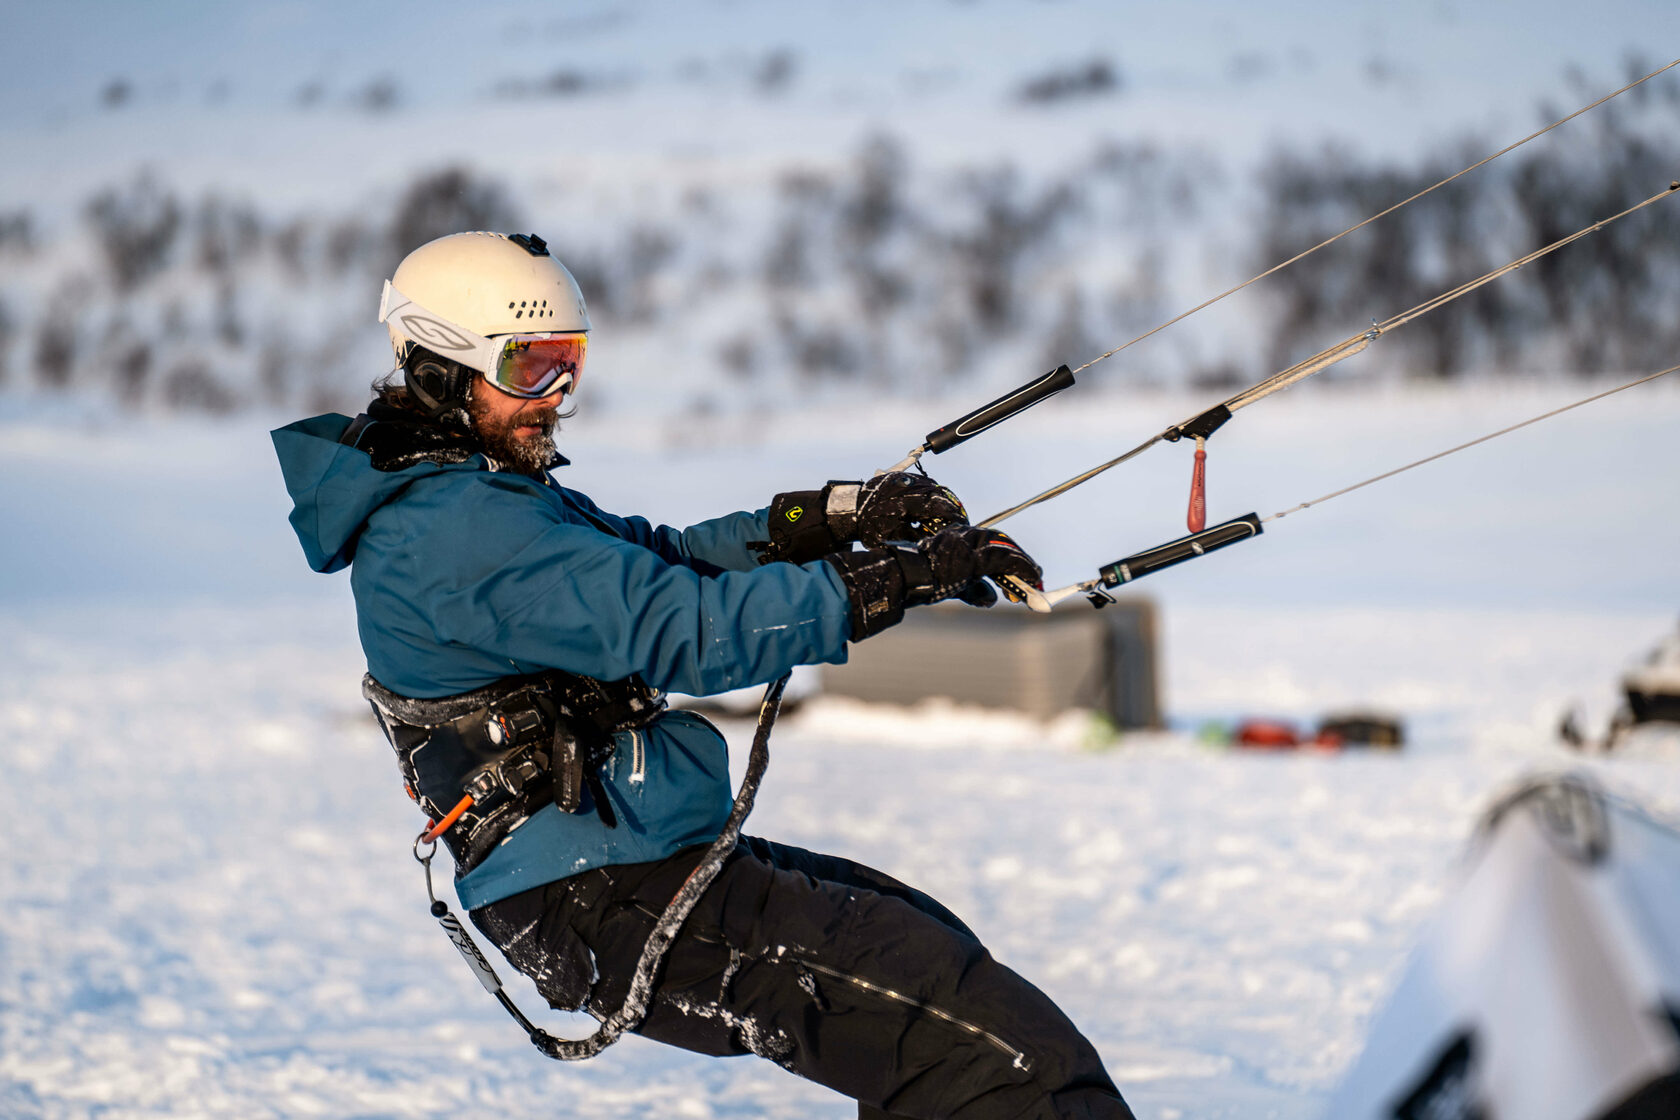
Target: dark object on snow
1548, 985
1569, 730
1653, 707
1653, 689
1361, 729
1266, 734
1652, 692
1040, 664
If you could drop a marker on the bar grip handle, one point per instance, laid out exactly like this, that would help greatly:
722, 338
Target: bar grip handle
943, 439
1140, 564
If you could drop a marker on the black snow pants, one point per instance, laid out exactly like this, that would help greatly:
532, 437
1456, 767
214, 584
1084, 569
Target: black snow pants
830, 969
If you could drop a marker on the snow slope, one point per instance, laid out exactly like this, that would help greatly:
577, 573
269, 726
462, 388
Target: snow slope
209, 908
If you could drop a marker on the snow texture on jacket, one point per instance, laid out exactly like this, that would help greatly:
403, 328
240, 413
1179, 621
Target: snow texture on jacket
464, 574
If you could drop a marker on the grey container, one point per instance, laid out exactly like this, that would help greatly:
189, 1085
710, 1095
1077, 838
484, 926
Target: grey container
1009, 657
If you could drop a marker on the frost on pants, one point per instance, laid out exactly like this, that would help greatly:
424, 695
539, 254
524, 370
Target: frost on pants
557, 961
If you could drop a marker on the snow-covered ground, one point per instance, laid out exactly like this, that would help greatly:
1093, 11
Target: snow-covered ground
209, 908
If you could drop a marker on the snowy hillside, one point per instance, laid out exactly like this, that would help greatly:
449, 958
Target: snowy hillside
770, 205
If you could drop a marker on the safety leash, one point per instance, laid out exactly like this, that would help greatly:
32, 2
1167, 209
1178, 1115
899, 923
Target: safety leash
630, 1015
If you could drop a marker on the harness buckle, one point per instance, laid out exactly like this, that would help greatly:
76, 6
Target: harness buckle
510, 774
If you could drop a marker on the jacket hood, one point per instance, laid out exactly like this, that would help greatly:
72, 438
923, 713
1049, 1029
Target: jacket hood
335, 487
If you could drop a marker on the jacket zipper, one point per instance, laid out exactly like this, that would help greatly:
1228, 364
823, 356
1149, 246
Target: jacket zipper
1016, 1057
638, 756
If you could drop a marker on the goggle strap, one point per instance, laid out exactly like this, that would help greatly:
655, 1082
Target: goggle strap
438, 334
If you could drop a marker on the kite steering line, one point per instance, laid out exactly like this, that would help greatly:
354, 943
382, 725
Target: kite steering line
1203, 425
1202, 541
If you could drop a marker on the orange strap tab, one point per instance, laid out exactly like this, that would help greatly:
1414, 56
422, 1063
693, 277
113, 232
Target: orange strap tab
1197, 518
442, 826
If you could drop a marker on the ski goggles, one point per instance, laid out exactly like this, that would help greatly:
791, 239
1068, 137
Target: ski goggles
521, 365
538, 365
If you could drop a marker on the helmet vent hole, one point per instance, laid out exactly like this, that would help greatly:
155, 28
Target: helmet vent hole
510, 306
519, 314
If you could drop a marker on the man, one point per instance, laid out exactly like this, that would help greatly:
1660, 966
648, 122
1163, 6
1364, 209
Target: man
518, 640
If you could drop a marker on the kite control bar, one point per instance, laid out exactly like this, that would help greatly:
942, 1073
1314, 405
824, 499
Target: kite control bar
1140, 564
1121, 571
960, 431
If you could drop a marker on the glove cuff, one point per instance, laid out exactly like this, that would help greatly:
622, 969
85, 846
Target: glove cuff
799, 531
920, 586
875, 589
840, 509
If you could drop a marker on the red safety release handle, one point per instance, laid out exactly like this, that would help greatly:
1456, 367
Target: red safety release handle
1197, 518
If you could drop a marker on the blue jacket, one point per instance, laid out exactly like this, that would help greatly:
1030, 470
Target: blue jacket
464, 575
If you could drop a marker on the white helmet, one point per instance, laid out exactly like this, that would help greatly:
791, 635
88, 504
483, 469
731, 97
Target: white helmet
495, 304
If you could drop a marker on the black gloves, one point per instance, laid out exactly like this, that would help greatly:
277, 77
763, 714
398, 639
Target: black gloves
953, 563
921, 548
900, 506
808, 525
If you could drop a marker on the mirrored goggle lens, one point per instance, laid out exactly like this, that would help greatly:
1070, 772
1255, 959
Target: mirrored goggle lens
536, 367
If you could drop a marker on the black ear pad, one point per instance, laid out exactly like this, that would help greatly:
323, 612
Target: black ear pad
439, 385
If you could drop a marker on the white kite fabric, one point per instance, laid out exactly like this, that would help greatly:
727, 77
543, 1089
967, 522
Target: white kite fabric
1548, 985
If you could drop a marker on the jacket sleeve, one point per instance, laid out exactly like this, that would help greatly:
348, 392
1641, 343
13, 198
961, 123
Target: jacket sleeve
720, 543
525, 584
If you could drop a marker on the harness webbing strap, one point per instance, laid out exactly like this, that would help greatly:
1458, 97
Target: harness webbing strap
630, 1015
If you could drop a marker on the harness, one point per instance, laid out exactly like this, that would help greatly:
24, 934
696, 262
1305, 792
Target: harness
481, 762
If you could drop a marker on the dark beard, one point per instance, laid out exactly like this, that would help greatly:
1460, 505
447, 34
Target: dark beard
531, 455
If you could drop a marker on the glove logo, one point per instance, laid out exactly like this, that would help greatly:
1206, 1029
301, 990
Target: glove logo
795, 513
